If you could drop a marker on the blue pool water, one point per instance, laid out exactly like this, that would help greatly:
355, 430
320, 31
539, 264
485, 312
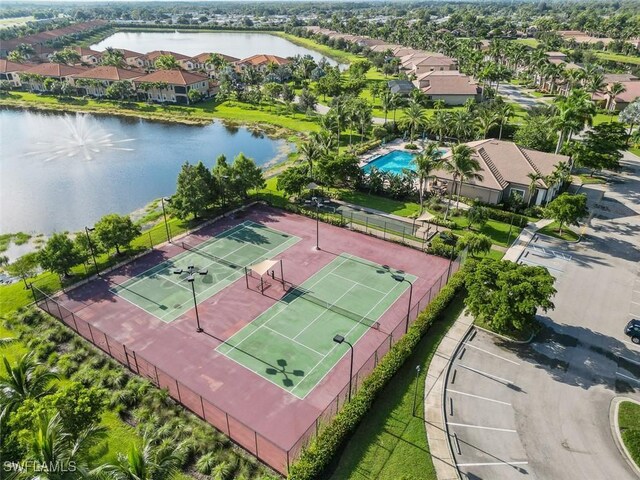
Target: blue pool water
393, 162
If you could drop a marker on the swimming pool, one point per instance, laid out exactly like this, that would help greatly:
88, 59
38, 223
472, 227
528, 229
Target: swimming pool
395, 162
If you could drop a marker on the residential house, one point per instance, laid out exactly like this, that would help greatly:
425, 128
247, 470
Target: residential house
172, 85
261, 61
400, 87
631, 94
151, 57
56, 71
556, 57
95, 81
88, 56
201, 62
452, 87
131, 57
422, 62
505, 169
10, 71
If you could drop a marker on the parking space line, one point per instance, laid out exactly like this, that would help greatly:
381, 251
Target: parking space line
637, 362
482, 428
490, 464
627, 376
486, 374
489, 353
478, 396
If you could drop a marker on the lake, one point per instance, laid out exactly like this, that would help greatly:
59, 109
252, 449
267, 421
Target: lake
235, 44
62, 172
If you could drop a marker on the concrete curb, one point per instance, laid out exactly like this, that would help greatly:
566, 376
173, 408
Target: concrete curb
504, 337
435, 386
615, 431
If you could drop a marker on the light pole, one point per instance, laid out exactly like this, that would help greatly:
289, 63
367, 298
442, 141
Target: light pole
164, 213
339, 339
415, 393
93, 255
191, 270
400, 278
312, 186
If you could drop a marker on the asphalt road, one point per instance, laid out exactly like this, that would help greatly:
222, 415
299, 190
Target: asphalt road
541, 411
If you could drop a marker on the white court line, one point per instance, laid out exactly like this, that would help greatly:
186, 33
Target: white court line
323, 312
478, 396
489, 464
487, 374
292, 339
489, 353
507, 430
627, 376
357, 283
345, 335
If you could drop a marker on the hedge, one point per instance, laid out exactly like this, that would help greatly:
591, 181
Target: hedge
506, 217
315, 458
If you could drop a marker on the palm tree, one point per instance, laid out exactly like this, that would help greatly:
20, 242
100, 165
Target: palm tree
504, 111
24, 380
386, 102
462, 123
614, 90
535, 179
426, 162
146, 461
595, 83
462, 166
414, 118
311, 152
486, 119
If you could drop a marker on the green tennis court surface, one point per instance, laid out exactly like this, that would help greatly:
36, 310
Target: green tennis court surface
166, 295
291, 344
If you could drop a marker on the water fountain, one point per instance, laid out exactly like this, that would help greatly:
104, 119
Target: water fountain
81, 137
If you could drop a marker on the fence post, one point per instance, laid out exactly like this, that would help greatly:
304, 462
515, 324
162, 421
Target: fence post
228, 427
256, 437
107, 342
126, 356
366, 225
135, 359
73, 317
150, 240
157, 376
204, 415
403, 229
384, 231
178, 389
90, 333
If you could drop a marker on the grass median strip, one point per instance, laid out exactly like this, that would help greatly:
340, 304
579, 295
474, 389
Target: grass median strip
629, 423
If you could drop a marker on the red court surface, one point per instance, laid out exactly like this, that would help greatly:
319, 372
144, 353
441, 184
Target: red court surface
260, 416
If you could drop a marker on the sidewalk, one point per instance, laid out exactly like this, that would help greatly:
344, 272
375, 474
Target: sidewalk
434, 393
517, 248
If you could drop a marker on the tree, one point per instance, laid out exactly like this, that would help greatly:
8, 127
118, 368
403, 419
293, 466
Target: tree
631, 115
340, 170
414, 118
307, 101
293, 180
463, 167
193, 191
120, 90
311, 152
24, 267
113, 57
601, 147
478, 216
59, 254
486, 119
167, 62
506, 296
537, 133
194, 96
426, 162
475, 243
27, 379
614, 90
116, 231
246, 175
567, 209
534, 182
150, 460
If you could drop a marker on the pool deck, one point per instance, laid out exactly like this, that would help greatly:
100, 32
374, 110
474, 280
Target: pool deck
383, 150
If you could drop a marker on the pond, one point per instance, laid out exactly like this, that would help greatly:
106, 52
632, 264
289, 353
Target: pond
62, 172
235, 44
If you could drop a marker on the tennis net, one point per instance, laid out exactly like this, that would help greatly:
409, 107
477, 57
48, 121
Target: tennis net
202, 252
301, 292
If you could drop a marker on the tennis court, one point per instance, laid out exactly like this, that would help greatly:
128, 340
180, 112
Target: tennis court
291, 344
161, 292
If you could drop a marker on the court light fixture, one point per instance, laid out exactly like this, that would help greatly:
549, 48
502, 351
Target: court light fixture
339, 339
401, 278
93, 254
164, 214
191, 279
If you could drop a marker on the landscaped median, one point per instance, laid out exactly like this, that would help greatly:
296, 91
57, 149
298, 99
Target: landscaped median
629, 427
316, 458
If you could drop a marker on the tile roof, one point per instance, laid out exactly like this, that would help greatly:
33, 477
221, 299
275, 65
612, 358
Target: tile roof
174, 77
86, 51
504, 163
203, 57
107, 72
127, 53
55, 70
262, 59
631, 94
449, 82
156, 53
9, 66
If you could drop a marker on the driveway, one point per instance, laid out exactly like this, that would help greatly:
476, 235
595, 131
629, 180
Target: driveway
517, 94
541, 410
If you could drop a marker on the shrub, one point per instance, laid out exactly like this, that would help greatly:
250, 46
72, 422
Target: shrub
317, 456
411, 146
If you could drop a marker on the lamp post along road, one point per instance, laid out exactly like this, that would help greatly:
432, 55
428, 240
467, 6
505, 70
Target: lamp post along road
400, 278
339, 339
93, 255
164, 213
191, 278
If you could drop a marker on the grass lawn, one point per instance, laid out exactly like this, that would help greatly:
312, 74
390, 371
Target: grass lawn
338, 55
553, 231
529, 42
392, 442
498, 232
617, 57
629, 422
387, 205
200, 113
604, 118
591, 180
635, 151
